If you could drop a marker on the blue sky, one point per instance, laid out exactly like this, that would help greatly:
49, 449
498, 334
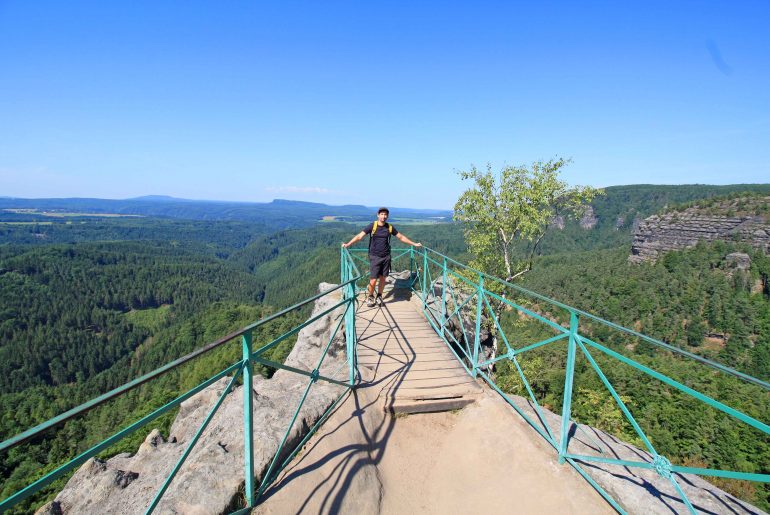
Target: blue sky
376, 103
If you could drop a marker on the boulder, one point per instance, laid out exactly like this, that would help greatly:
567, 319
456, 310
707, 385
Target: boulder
738, 260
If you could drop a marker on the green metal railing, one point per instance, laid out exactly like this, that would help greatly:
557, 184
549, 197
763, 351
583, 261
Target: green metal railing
458, 280
241, 369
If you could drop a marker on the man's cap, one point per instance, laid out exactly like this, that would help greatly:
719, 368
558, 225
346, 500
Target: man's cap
383, 209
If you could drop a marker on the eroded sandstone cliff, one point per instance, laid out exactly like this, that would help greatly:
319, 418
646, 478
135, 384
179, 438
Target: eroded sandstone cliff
743, 220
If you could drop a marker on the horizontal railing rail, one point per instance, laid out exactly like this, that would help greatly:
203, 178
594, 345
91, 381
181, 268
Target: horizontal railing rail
244, 369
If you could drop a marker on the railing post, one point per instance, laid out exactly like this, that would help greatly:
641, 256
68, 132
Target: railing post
350, 328
477, 341
248, 410
424, 278
570, 373
443, 295
411, 261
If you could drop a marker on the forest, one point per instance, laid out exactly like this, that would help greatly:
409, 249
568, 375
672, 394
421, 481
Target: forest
90, 303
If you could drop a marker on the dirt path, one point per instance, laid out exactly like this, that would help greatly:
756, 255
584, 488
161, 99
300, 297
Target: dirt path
481, 459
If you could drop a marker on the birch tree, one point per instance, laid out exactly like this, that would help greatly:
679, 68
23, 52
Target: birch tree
513, 209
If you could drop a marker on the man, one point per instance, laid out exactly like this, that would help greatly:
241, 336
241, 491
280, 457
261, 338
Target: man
379, 252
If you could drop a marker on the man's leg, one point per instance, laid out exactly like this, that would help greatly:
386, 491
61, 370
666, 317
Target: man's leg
383, 274
380, 288
374, 272
370, 293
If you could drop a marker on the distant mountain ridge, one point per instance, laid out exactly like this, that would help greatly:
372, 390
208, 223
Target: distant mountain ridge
278, 214
616, 213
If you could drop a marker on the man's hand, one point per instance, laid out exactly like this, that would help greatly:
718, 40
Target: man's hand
345, 245
418, 244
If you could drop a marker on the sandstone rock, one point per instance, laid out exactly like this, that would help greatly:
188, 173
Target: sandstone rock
588, 220
738, 260
211, 480
558, 222
680, 230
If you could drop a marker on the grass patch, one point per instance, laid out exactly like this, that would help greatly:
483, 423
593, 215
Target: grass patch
152, 319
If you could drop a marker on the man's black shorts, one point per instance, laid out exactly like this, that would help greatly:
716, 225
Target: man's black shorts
379, 266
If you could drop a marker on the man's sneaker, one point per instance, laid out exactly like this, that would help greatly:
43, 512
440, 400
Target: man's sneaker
379, 300
370, 301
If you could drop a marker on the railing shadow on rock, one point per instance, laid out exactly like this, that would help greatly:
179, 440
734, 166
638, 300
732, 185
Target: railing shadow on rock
457, 302
241, 369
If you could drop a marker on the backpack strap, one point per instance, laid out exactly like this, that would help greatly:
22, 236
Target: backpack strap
374, 230
375, 225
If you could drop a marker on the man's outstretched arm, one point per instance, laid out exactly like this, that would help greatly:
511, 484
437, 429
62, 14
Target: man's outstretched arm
354, 239
406, 240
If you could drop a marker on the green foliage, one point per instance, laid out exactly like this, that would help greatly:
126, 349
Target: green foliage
81, 319
217, 238
152, 319
517, 205
63, 316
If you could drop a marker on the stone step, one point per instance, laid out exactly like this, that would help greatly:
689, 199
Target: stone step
411, 406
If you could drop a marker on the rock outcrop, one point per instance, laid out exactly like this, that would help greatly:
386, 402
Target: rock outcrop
589, 219
738, 260
659, 234
212, 478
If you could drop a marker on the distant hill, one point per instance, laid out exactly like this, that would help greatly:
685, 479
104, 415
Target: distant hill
278, 214
615, 214
161, 198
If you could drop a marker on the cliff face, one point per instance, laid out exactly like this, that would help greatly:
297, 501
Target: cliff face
744, 220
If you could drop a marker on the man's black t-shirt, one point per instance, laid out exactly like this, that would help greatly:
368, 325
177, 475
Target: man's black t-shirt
380, 240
